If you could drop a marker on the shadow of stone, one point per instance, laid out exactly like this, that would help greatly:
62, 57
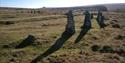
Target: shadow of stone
28, 41
85, 28
82, 34
69, 31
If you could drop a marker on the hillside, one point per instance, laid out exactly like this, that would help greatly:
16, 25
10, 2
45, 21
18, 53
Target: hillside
41, 30
103, 7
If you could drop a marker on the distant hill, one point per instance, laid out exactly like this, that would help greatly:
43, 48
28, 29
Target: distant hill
102, 7
113, 7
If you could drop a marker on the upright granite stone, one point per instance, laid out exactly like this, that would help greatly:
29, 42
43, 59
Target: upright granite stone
92, 16
87, 20
85, 28
102, 24
100, 19
99, 16
70, 27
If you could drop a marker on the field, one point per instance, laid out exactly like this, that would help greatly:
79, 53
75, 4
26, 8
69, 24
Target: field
98, 46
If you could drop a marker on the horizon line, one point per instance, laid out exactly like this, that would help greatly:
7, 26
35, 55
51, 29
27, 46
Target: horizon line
60, 7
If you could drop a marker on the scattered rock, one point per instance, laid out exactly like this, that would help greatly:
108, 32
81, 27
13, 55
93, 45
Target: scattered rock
95, 48
120, 52
6, 22
44, 24
120, 37
54, 36
107, 49
5, 46
12, 60
81, 52
116, 26
95, 38
124, 45
28, 41
9, 23
15, 55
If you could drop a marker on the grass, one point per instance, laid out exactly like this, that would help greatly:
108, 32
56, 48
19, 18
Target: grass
34, 18
46, 30
10, 37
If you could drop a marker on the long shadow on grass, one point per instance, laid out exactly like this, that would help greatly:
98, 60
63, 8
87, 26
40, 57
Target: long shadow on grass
85, 28
69, 31
82, 34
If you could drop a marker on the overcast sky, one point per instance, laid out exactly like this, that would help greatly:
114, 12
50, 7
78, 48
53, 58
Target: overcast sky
53, 3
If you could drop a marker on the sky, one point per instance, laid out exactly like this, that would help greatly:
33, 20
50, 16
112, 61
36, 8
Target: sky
53, 3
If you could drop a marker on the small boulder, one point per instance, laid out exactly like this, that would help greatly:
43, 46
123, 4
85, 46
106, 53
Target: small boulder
107, 49
120, 37
95, 48
9, 23
27, 41
116, 26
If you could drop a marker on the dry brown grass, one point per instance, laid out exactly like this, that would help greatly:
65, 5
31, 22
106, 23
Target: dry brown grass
49, 28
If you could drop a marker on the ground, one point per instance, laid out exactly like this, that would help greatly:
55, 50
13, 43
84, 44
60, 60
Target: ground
98, 46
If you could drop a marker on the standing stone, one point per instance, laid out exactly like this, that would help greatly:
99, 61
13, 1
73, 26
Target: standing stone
87, 21
92, 16
70, 27
69, 31
100, 20
99, 16
85, 28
